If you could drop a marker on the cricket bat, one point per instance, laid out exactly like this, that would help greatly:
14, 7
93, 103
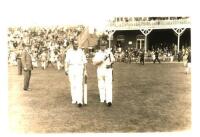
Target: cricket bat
85, 90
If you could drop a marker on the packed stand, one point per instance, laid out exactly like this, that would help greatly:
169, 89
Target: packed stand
48, 45
166, 54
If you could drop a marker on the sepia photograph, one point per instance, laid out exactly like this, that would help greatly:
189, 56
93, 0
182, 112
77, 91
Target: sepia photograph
91, 71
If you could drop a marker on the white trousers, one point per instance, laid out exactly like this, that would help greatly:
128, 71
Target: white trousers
35, 63
59, 65
43, 64
105, 84
188, 69
76, 83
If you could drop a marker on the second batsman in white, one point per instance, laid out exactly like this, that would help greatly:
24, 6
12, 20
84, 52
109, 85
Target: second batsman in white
104, 60
75, 67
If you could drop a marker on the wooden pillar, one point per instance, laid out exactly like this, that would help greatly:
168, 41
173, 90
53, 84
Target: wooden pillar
145, 44
145, 32
179, 32
178, 44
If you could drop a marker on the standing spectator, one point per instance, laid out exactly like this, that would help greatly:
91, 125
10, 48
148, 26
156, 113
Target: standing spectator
58, 60
44, 60
185, 60
27, 66
104, 60
156, 57
19, 61
153, 55
164, 56
188, 70
13, 57
126, 56
180, 56
76, 66
142, 57
137, 54
51, 58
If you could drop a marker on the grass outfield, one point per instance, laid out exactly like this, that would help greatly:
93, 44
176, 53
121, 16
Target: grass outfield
149, 98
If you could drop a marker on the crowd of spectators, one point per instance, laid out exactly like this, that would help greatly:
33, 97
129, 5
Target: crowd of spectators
165, 54
48, 43
48, 46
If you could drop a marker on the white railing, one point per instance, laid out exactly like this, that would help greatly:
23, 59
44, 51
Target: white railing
148, 24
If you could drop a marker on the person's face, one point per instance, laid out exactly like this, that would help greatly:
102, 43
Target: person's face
103, 47
75, 45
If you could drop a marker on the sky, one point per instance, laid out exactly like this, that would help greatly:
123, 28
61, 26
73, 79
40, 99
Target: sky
93, 13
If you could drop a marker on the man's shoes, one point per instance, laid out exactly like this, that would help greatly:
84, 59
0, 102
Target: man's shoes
74, 102
79, 105
109, 104
103, 101
28, 89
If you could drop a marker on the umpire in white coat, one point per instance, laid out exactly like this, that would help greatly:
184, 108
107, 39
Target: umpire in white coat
75, 67
104, 60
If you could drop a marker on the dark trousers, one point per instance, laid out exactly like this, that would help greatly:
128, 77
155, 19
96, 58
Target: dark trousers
27, 77
156, 59
19, 66
142, 61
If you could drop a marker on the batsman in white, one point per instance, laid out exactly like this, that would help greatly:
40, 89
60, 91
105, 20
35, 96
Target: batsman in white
75, 68
104, 59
